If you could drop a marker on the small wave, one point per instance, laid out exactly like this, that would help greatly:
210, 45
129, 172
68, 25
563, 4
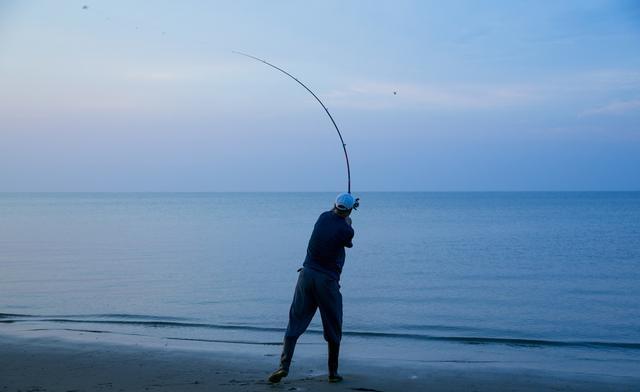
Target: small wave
133, 320
86, 330
134, 316
506, 341
98, 331
158, 322
124, 316
228, 341
7, 315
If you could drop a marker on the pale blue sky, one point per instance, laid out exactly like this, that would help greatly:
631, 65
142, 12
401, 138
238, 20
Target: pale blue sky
491, 95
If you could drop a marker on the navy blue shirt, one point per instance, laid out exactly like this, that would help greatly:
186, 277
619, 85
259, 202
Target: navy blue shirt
325, 252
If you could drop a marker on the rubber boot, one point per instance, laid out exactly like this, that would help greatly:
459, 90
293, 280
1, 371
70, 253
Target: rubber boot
288, 346
334, 352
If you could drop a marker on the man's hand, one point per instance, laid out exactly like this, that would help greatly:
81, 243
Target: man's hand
348, 219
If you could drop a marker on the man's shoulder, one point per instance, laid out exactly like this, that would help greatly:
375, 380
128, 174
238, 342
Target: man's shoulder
326, 215
333, 220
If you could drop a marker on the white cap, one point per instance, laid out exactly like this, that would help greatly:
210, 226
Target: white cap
345, 201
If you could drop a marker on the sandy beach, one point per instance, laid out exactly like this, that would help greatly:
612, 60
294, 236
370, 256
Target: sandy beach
54, 364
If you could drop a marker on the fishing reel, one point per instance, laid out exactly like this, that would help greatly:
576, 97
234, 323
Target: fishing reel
356, 204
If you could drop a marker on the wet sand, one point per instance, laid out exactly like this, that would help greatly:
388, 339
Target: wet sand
51, 364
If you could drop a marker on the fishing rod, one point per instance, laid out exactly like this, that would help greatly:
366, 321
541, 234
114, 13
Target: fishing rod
344, 146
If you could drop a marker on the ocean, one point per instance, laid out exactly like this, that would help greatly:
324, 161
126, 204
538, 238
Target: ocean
530, 279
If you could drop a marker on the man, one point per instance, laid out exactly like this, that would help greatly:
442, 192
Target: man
318, 286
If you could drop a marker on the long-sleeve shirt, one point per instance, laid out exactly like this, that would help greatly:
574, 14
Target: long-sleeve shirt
325, 252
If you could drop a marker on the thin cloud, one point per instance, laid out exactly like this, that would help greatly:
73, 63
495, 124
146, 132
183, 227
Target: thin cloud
155, 76
185, 72
375, 95
615, 108
381, 95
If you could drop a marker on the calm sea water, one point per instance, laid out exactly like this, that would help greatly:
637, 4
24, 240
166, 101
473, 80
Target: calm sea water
532, 278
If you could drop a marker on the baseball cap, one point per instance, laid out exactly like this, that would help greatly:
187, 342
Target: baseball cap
345, 201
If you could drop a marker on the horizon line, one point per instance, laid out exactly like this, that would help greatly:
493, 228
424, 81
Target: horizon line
364, 191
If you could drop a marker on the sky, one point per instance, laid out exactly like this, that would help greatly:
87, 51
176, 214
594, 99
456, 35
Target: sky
489, 95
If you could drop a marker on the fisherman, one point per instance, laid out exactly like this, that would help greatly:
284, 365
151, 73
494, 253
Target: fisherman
318, 285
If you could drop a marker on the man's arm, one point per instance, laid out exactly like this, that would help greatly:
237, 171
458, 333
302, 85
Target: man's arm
349, 234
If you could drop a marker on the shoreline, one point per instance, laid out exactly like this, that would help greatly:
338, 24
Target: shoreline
48, 363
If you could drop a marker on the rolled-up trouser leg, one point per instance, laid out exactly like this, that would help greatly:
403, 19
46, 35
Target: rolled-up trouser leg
330, 304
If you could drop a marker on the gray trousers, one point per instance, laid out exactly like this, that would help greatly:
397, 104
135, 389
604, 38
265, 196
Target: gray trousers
316, 290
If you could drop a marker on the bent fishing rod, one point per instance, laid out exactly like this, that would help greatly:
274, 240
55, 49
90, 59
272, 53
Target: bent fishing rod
344, 146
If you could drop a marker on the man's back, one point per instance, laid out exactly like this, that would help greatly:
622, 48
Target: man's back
325, 252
